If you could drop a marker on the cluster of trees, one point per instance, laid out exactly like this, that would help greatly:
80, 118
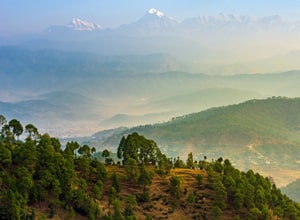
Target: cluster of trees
248, 190
136, 147
37, 171
247, 194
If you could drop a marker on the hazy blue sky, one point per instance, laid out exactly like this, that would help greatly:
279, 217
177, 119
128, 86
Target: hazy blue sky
25, 16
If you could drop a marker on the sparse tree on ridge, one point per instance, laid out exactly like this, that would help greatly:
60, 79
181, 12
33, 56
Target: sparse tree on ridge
105, 153
16, 127
190, 160
32, 131
85, 150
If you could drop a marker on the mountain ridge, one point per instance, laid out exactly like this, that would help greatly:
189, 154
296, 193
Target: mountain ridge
198, 38
210, 20
254, 134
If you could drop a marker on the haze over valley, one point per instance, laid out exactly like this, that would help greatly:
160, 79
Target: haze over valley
81, 93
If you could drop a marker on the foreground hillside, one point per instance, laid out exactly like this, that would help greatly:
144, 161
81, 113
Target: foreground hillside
40, 180
258, 134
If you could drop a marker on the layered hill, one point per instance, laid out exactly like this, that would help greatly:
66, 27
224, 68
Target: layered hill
292, 190
101, 92
258, 134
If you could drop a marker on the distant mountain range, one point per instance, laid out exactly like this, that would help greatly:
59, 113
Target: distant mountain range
155, 20
207, 41
76, 25
262, 135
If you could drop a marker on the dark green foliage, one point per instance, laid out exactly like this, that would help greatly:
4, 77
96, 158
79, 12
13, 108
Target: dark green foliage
249, 190
112, 195
115, 182
121, 148
105, 153
164, 165
145, 196
9, 206
117, 210
191, 197
37, 170
190, 160
98, 189
220, 195
199, 180
16, 127
175, 187
97, 170
129, 208
32, 131
216, 213
254, 214
238, 199
5, 156
179, 163
139, 148
85, 150
144, 178
132, 170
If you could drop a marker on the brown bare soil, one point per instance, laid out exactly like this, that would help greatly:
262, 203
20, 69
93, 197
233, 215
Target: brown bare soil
161, 204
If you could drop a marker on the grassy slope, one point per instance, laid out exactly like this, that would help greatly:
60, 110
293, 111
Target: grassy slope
160, 205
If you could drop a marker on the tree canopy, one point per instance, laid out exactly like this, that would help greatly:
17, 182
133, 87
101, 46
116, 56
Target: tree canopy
138, 148
37, 170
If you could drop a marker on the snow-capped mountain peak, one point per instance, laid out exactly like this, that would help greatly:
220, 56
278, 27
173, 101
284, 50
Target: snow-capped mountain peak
80, 25
153, 11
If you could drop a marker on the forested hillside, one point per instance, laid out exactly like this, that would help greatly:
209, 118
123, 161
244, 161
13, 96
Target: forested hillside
41, 180
258, 134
